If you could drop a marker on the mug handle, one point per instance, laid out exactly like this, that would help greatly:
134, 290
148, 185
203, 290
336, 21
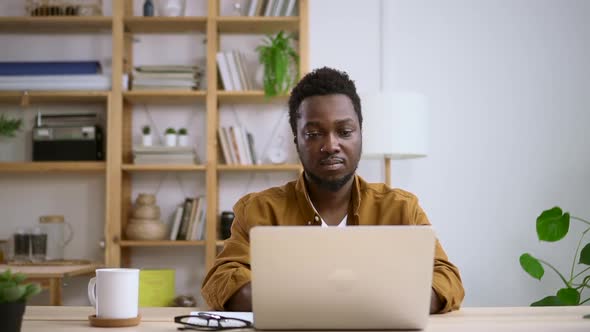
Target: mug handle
92, 291
70, 234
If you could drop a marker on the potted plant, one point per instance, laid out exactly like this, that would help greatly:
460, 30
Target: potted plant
280, 64
13, 299
552, 226
146, 138
182, 137
9, 127
170, 135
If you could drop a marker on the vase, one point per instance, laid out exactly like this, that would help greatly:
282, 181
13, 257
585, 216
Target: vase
11, 316
146, 140
183, 140
170, 139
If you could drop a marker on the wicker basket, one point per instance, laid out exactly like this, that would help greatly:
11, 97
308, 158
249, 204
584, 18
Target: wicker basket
64, 7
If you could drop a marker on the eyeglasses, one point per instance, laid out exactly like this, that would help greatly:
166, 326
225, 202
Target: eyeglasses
210, 322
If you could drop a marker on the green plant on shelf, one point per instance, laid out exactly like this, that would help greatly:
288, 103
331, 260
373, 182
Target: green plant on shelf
182, 131
8, 126
146, 130
170, 131
553, 225
280, 62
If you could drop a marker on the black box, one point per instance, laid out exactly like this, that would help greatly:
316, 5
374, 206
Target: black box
76, 143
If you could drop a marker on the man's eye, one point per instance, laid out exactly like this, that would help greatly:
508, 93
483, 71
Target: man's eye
345, 133
312, 134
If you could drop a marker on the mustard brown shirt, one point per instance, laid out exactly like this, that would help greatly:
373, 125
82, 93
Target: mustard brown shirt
289, 205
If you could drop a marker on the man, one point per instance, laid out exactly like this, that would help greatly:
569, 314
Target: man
326, 120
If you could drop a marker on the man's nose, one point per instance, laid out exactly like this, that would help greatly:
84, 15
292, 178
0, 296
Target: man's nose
331, 144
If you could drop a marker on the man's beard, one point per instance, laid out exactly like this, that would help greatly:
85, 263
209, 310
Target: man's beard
331, 185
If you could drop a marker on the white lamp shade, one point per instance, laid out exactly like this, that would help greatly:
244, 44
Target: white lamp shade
395, 125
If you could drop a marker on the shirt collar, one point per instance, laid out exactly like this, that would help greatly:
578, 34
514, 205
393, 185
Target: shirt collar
304, 202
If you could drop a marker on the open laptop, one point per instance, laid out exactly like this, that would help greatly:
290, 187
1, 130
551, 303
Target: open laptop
352, 278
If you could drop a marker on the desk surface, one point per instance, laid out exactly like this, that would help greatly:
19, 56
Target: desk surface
52, 271
540, 319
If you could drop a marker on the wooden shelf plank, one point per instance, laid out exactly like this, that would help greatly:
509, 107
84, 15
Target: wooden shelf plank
260, 168
248, 96
256, 24
50, 166
53, 97
164, 97
162, 168
158, 24
55, 24
161, 243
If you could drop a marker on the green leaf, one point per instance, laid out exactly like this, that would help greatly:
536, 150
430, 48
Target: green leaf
532, 266
5, 276
585, 255
553, 225
13, 294
19, 277
568, 296
548, 301
32, 289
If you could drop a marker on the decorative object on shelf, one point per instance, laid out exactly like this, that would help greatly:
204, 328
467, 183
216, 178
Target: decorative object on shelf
55, 227
38, 245
552, 226
185, 301
237, 8
277, 154
64, 7
182, 137
145, 222
13, 299
8, 126
170, 136
22, 245
227, 218
156, 287
171, 7
146, 137
148, 8
281, 63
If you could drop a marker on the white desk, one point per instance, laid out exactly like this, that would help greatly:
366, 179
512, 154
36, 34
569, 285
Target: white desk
558, 319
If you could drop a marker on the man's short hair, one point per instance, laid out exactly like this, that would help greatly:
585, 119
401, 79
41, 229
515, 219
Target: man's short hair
321, 82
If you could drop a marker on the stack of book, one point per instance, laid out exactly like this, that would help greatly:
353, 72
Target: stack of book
167, 77
150, 155
232, 67
272, 8
237, 146
53, 75
189, 220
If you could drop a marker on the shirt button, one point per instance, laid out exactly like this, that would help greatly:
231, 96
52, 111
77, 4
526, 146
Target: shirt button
316, 218
309, 222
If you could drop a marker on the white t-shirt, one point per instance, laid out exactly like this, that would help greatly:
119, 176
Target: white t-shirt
341, 224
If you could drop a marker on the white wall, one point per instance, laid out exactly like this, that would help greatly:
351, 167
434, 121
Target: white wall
506, 83
508, 87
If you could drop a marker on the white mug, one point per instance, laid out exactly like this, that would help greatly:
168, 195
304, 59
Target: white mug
115, 293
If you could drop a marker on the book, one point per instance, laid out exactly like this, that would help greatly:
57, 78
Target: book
156, 287
167, 69
18, 68
175, 226
191, 218
223, 144
290, 7
162, 149
250, 139
224, 71
186, 214
233, 70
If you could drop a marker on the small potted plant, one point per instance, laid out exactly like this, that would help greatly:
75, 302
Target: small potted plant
13, 299
146, 138
280, 64
170, 135
9, 127
182, 137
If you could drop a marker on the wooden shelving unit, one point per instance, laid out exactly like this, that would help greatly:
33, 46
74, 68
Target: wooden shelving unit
119, 105
53, 167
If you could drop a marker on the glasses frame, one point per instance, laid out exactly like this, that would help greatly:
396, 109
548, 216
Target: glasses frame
209, 317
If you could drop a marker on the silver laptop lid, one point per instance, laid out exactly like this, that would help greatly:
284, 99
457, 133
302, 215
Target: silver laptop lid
361, 277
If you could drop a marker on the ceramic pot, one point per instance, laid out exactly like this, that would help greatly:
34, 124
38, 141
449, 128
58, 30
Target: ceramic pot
147, 212
146, 230
146, 199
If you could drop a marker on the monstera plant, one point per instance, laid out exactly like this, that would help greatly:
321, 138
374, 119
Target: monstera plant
553, 225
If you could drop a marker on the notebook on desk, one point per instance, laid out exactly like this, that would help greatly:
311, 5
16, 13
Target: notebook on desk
362, 277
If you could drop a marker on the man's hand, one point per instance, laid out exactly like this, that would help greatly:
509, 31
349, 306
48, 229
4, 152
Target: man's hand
241, 300
435, 304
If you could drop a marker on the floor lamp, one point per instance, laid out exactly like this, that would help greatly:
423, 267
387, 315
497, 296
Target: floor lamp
395, 126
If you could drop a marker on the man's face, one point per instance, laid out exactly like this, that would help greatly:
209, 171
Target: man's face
329, 140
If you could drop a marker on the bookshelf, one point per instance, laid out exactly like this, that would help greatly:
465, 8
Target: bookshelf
118, 169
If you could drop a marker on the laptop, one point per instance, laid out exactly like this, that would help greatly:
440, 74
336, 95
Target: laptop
351, 278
